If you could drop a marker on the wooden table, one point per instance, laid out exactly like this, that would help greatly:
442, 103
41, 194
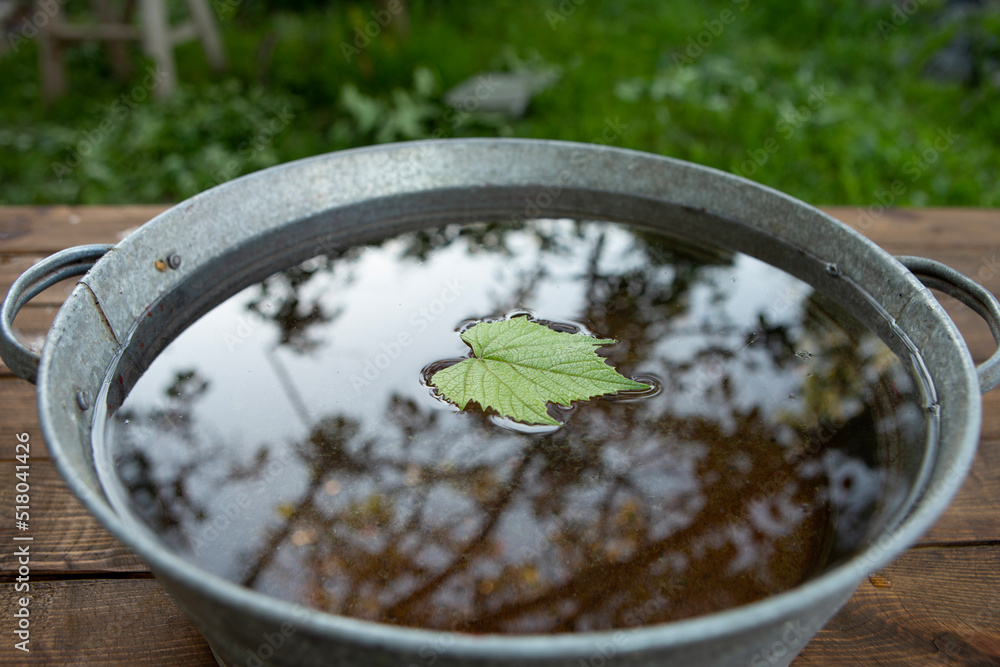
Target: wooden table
97, 604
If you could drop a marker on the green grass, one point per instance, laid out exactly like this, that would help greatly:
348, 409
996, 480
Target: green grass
806, 97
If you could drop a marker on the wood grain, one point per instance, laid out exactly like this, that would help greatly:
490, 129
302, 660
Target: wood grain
31, 326
991, 416
974, 329
932, 606
971, 516
66, 538
19, 414
938, 604
51, 228
103, 622
923, 227
12, 266
45, 230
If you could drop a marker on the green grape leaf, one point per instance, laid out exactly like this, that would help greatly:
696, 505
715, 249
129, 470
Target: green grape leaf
519, 367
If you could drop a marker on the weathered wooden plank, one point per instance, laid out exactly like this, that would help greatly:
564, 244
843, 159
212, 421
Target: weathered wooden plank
26, 229
12, 266
47, 229
44, 230
932, 606
50, 228
961, 259
904, 229
102, 622
935, 606
974, 328
941, 605
31, 325
991, 416
968, 240
66, 538
35, 318
971, 516
19, 414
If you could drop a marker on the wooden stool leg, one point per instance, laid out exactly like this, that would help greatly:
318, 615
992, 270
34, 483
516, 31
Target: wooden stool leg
157, 45
158, 41
50, 56
116, 49
208, 34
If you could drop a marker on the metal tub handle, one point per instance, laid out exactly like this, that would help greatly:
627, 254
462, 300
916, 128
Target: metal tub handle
946, 279
59, 266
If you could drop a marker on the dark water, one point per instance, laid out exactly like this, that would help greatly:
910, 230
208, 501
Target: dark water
286, 440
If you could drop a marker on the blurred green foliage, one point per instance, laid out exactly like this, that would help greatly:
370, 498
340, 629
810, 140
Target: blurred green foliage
825, 101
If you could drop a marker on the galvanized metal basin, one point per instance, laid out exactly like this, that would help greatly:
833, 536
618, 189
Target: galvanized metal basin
189, 258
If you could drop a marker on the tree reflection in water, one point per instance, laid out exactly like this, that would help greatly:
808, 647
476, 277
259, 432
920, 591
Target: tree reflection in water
713, 493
